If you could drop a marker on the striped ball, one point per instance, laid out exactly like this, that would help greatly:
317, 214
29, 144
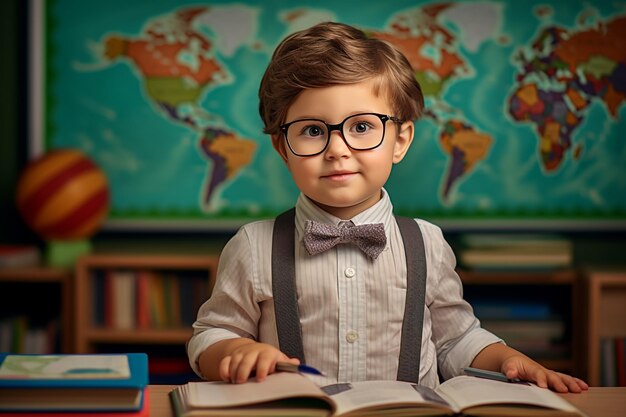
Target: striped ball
63, 195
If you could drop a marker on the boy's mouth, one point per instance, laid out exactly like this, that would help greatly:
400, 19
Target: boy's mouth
338, 175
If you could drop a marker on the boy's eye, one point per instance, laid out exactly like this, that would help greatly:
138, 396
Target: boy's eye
361, 127
312, 130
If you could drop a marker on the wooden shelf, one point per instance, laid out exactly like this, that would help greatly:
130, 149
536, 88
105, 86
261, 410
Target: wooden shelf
35, 274
606, 314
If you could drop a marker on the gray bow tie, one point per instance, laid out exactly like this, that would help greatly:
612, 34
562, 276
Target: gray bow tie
319, 237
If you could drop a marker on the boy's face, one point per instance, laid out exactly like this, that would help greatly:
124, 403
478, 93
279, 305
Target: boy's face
343, 181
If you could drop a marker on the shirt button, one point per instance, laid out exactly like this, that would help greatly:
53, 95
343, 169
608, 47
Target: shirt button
352, 336
349, 272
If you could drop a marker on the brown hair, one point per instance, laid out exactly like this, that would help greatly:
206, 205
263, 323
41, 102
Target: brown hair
330, 54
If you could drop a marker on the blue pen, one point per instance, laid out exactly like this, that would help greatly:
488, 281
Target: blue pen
496, 376
305, 369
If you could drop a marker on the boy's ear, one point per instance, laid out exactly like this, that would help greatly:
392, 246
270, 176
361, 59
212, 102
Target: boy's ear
403, 140
279, 144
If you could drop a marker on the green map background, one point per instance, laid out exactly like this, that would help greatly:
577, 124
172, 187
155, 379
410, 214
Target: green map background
107, 105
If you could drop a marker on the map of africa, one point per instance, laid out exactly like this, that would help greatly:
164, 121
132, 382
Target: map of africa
524, 105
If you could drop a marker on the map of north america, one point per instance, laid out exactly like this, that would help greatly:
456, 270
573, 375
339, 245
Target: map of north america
178, 67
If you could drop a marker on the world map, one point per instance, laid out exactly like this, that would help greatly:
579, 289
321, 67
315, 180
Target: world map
522, 115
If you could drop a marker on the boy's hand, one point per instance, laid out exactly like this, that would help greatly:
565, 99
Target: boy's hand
514, 364
520, 366
244, 359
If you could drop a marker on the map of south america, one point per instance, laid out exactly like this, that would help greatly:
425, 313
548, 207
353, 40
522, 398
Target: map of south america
432, 51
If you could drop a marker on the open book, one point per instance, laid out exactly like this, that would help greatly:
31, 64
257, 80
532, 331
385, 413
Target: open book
291, 394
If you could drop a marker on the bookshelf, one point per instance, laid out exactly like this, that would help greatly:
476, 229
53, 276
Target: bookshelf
39, 298
606, 314
110, 315
547, 301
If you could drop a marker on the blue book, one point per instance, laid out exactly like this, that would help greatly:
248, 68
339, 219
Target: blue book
78, 383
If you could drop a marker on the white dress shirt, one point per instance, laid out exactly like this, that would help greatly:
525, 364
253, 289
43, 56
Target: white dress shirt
351, 307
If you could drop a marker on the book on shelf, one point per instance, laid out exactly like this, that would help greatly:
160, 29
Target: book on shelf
608, 373
73, 383
515, 240
123, 301
490, 309
613, 362
620, 362
19, 256
292, 394
17, 335
515, 251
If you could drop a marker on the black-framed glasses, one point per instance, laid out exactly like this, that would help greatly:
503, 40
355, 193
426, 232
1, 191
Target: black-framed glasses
361, 132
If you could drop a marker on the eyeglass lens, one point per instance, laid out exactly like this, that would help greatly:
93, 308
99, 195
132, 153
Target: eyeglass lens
309, 137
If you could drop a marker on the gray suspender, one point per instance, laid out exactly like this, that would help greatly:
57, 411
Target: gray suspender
413, 321
286, 302
284, 286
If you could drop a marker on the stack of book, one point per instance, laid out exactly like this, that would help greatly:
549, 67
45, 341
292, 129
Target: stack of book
76, 385
515, 252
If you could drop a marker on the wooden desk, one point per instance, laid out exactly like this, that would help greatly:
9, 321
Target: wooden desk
597, 402
600, 401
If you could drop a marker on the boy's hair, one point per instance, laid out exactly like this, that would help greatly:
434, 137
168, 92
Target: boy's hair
331, 54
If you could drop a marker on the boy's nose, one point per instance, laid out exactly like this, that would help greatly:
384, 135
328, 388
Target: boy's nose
337, 146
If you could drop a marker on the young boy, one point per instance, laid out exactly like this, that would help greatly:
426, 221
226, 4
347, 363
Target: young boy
340, 108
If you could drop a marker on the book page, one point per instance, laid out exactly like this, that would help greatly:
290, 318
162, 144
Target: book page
280, 385
468, 391
370, 395
65, 367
